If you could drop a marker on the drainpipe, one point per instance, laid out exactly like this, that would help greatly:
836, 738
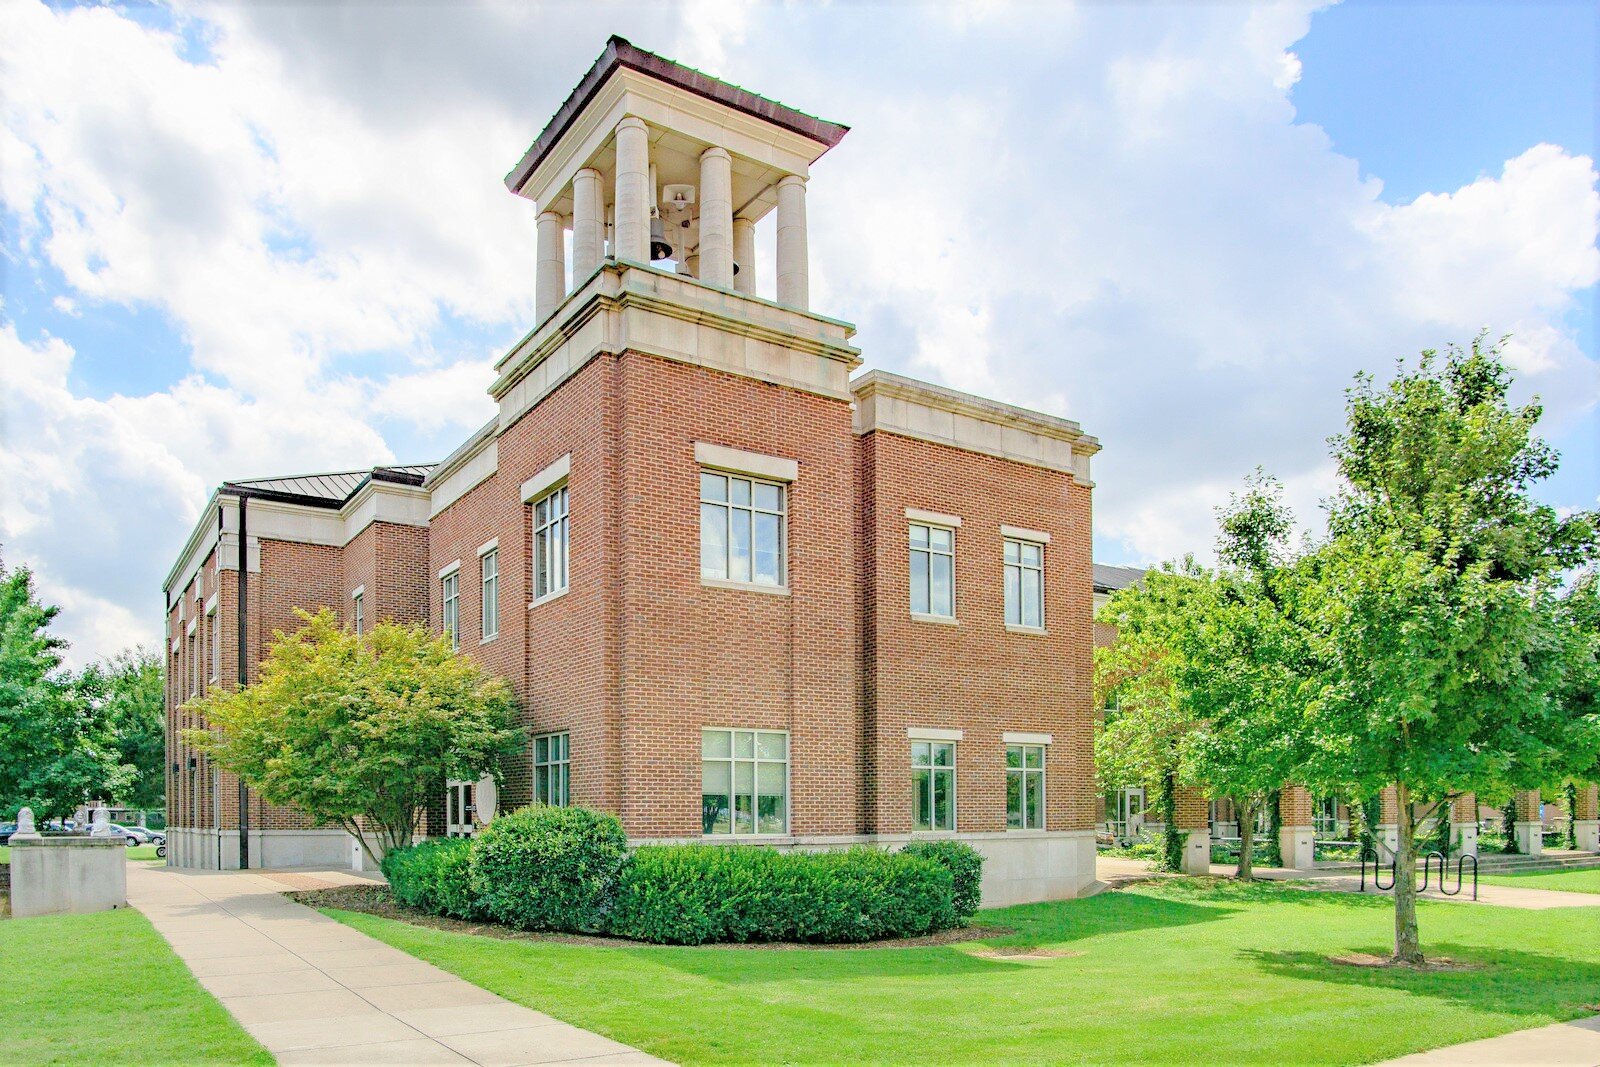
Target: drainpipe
244, 667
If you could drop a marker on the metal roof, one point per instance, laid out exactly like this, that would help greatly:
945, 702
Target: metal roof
329, 490
1108, 578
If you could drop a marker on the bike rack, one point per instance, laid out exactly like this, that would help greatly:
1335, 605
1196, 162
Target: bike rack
1377, 882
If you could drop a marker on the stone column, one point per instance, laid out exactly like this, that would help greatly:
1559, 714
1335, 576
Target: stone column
632, 238
588, 224
1463, 816
1296, 830
744, 254
716, 217
1191, 813
794, 285
1388, 829
1529, 827
551, 285
1586, 819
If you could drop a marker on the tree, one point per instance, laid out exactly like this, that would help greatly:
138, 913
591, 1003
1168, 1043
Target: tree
125, 695
360, 731
54, 753
1438, 604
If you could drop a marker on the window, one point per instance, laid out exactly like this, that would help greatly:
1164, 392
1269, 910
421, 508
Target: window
744, 782
194, 663
1025, 787
458, 799
215, 643
1024, 584
550, 544
551, 773
489, 564
358, 612
741, 529
933, 560
451, 584
933, 785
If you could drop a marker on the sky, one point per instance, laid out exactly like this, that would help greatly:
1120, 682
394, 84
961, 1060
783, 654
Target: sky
246, 240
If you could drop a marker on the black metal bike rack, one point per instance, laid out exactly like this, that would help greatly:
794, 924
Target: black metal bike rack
1377, 869
1461, 868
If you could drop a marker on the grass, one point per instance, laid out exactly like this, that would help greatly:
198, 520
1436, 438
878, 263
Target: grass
106, 989
1567, 881
1182, 971
137, 852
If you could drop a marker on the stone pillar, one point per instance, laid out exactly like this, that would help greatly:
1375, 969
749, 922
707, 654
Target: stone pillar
588, 224
1529, 827
744, 255
716, 217
1388, 828
551, 286
1296, 830
633, 191
1463, 816
1191, 813
794, 285
1586, 819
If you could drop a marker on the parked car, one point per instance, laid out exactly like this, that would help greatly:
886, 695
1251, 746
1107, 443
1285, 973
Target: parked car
134, 835
6, 830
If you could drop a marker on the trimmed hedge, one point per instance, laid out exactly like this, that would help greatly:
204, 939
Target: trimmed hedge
433, 876
542, 868
965, 865
694, 894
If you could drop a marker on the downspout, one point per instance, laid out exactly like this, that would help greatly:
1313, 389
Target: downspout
244, 666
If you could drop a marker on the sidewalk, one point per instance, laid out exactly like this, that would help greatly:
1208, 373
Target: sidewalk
1571, 1044
313, 990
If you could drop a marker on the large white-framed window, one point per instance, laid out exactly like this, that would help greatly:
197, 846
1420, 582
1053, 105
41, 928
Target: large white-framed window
742, 535
193, 648
489, 572
214, 642
744, 782
458, 801
358, 611
1024, 580
933, 785
552, 769
450, 592
933, 570
550, 544
1025, 787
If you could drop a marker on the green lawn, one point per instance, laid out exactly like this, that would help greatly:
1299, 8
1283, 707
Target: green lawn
137, 852
1177, 972
1567, 881
106, 989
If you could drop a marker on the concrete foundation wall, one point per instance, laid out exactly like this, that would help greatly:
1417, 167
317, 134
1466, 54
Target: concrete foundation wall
68, 875
200, 849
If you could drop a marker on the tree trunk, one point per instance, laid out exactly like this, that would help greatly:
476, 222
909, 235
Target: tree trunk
1245, 811
1407, 942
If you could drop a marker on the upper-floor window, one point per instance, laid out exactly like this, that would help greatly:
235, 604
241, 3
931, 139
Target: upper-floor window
489, 566
933, 562
193, 647
1025, 787
741, 529
550, 543
744, 781
551, 769
358, 612
214, 643
450, 586
933, 785
1024, 565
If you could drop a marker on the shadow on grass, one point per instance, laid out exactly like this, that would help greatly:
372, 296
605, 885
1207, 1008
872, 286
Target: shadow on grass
1061, 922
1499, 980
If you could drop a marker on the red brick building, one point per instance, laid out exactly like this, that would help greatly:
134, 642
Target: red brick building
741, 595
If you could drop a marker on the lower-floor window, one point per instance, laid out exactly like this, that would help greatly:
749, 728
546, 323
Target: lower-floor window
551, 770
744, 782
933, 785
458, 808
1025, 787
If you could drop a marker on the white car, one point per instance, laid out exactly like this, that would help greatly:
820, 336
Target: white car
134, 835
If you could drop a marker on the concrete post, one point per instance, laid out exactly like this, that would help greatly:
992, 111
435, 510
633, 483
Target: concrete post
1296, 831
794, 285
744, 254
588, 224
1464, 824
633, 191
1529, 826
1388, 830
1191, 813
716, 217
551, 286
1586, 819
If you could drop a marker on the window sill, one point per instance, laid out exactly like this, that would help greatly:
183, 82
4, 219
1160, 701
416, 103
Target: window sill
739, 839
557, 595
491, 637
1026, 831
933, 835
1037, 631
941, 620
749, 587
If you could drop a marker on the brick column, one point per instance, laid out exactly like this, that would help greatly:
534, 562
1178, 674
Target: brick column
1191, 812
1529, 827
1296, 829
1463, 817
1586, 818
1388, 828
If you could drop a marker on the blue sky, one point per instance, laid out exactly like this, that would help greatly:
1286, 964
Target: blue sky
253, 239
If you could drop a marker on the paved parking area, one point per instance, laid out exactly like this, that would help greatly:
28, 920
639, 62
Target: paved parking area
312, 990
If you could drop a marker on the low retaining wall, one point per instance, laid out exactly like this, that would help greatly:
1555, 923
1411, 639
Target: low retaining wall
67, 875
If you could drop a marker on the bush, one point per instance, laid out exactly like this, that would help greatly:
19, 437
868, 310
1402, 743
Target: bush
694, 894
434, 877
966, 871
544, 868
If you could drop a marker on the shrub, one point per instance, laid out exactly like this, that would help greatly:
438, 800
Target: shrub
544, 868
966, 871
694, 894
433, 876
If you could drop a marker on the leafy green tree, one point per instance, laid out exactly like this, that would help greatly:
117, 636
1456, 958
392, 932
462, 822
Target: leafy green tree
125, 695
1438, 603
360, 731
55, 753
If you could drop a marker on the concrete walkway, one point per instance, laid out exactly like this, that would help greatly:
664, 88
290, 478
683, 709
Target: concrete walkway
1570, 1044
313, 990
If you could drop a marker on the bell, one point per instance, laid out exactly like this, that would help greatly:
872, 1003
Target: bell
659, 248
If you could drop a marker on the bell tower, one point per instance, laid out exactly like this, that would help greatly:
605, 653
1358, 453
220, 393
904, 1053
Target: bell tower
649, 162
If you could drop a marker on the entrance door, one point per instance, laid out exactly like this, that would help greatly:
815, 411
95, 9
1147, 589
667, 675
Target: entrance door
458, 808
1132, 804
